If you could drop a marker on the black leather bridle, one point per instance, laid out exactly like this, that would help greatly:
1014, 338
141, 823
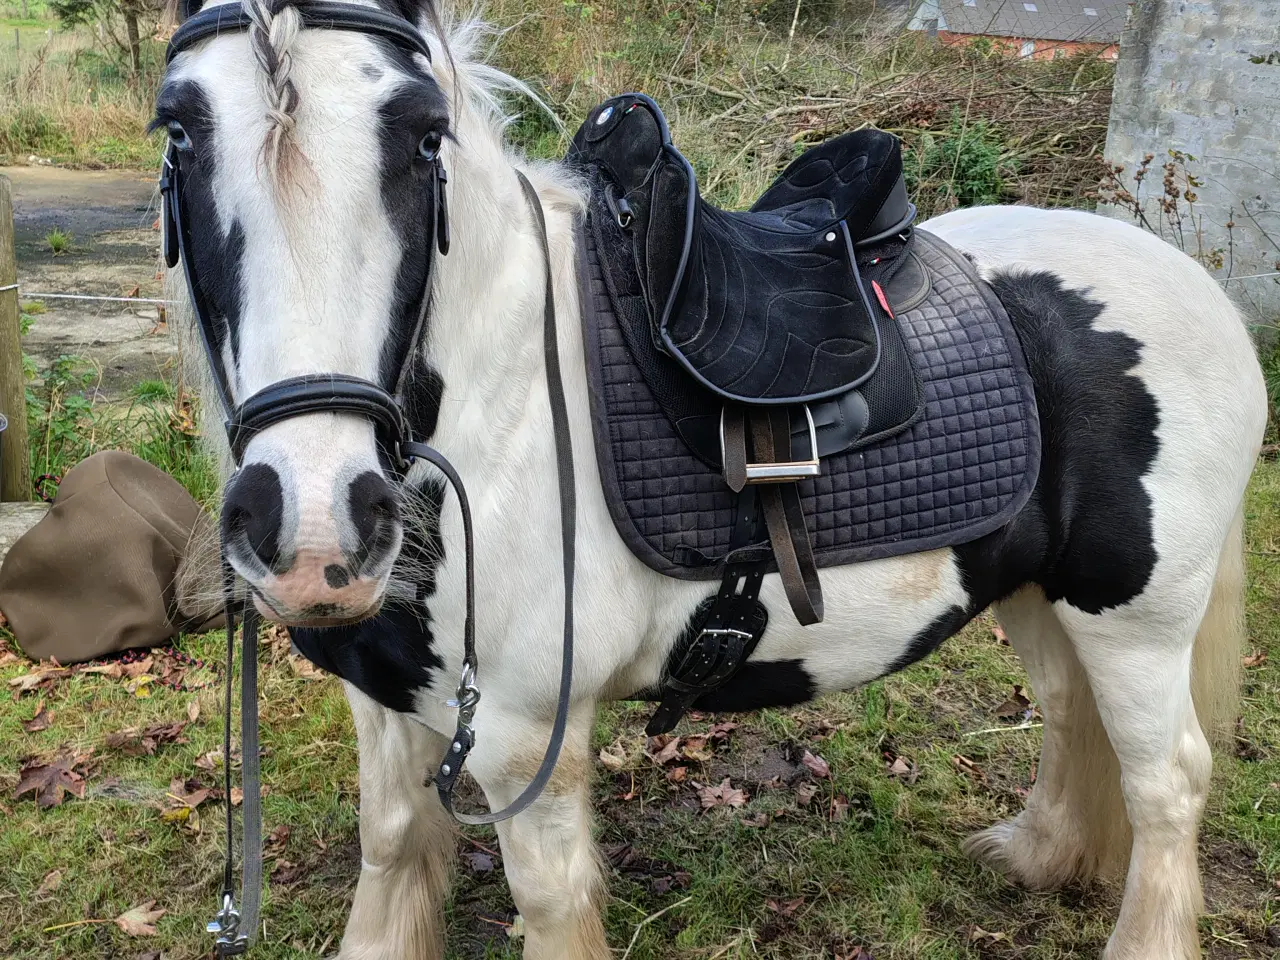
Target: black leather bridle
341, 393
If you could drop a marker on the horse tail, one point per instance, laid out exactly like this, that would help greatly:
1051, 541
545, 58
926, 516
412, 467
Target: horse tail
1215, 661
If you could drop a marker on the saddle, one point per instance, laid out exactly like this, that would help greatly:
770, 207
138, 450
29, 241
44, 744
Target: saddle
767, 336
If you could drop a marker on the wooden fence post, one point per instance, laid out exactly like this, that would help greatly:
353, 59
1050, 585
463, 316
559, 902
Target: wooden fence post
15, 457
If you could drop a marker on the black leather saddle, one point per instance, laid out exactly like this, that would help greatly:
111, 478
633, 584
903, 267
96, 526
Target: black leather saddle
766, 306
767, 336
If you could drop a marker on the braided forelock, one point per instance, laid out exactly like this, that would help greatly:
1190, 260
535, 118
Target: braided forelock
276, 24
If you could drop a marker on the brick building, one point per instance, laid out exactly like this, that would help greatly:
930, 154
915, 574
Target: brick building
1042, 29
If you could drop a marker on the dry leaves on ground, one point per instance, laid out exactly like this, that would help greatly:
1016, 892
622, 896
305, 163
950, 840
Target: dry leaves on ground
40, 721
143, 741
42, 677
613, 758
1017, 707
816, 765
722, 795
1255, 659
140, 921
51, 781
304, 668
970, 769
785, 908
51, 882
900, 768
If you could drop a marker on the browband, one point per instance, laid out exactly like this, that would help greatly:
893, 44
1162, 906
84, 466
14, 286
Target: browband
231, 17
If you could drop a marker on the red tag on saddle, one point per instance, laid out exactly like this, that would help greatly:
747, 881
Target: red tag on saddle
884, 301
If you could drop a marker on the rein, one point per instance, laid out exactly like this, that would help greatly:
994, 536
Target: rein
234, 928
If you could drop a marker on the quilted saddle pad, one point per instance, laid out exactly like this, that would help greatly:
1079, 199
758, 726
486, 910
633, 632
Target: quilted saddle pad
962, 470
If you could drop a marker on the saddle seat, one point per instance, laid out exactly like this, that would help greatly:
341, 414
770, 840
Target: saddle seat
767, 306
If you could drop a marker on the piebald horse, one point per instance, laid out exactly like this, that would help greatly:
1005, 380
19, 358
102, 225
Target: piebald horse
1119, 584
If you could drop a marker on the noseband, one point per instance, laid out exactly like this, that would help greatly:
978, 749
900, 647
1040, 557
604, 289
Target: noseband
344, 394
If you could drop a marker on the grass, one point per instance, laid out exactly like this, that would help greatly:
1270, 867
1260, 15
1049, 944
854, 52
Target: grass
58, 240
886, 875
64, 99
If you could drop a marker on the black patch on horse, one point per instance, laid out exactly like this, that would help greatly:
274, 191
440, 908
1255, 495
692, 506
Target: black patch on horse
415, 109
387, 657
1091, 516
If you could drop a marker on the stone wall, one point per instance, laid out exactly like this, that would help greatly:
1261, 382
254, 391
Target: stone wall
1203, 77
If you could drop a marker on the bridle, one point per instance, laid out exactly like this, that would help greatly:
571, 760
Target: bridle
341, 393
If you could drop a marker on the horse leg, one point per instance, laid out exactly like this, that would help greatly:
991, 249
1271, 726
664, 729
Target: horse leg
406, 839
1074, 824
549, 856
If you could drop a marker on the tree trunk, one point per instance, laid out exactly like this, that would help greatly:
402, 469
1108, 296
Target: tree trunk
135, 42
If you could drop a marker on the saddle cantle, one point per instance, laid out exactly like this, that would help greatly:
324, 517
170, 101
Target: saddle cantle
810, 363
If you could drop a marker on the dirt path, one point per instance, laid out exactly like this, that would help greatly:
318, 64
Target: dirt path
114, 253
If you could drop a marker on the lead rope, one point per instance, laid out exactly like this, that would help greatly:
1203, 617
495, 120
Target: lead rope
468, 696
236, 929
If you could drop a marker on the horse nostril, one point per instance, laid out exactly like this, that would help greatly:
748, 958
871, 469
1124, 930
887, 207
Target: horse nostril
253, 509
375, 513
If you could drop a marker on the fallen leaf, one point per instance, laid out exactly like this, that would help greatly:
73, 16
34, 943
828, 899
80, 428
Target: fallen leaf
805, 792
40, 677
51, 882
723, 795
113, 670
677, 774
825, 728
189, 793
977, 933
966, 766
839, 808
1255, 659
720, 731
209, 761
140, 920
903, 769
785, 908
760, 819
40, 721
193, 710
237, 796
304, 668
478, 861
816, 765
286, 872
613, 758
1015, 707
50, 782
138, 742
277, 840
7, 657
138, 668
662, 749
696, 748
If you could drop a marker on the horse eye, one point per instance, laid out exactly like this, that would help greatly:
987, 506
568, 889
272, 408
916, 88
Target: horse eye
177, 135
429, 146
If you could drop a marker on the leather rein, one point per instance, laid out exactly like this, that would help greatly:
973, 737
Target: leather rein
339, 393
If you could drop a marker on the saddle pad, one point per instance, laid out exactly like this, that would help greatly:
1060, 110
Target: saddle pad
962, 470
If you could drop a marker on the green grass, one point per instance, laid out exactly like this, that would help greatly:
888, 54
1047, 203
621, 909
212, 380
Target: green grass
888, 876
59, 241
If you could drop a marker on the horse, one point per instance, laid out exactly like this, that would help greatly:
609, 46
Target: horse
1119, 583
